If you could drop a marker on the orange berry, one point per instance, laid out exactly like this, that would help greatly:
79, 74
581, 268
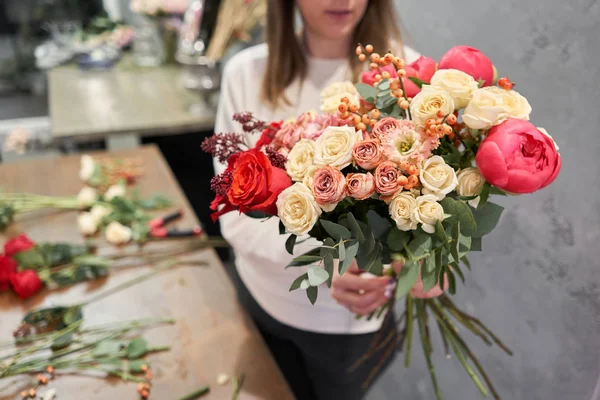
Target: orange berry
398, 62
375, 114
451, 136
361, 127
389, 58
411, 170
398, 93
362, 58
430, 122
353, 108
144, 368
359, 50
50, 369
410, 99
32, 392
417, 171
447, 129
149, 375
439, 121
378, 77
402, 180
451, 119
345, 100
372, 122
404, 104
429, 133
374, 66
505, 83
141, 386
39, 377
366, 119
401, 73
439, 128
369, 48
345, 115
356, 119
394, 84
145, 394
375, 57
413, 180
44, 380
382, 63
385, 75
343, 107
404, 165
433, 127
24, 394
440, 114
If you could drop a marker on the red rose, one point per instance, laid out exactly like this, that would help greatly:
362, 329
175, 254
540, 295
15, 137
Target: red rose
8, 266
17, 245
268, 134
517, 157
26, 283
256, 183
469, 60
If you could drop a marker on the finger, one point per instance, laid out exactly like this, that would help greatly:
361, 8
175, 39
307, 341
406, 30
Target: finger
355, 300
371, 307
356, 283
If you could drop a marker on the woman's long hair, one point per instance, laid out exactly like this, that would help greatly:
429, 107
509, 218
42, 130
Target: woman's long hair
287, 61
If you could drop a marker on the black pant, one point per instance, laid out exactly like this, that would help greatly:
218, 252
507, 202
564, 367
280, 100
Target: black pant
320, 366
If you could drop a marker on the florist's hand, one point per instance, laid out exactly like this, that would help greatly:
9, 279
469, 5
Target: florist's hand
360, 294
417, 290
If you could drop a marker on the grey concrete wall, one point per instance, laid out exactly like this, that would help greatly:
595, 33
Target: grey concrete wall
537, 283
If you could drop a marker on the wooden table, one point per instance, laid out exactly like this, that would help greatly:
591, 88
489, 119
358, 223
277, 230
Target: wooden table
123, 103
212, 335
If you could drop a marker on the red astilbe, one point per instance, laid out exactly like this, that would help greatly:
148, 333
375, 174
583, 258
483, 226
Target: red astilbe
249, 123
277, 160
220, 184
223, 145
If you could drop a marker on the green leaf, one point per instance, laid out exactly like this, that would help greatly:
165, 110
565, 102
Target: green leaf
397, 239
438, 259
383, 85
317, 275
429, 278
46, 316
63, 340
407, 278
460, 212
455, 241
355, 228
475, 244
429, 264
136, 348
107, 348
441, 234
341, 251
484, 195
290, 243
72, 315
303, 260
367, 92
29, 259
328, 265
420, 245
377, 267
451, 280
335, 230
136, 366
464, 245
466, 261
456, 268
417, 81
298, 281
498, 192
281, 228
383, 102
312, 293
351, 251
487, 218
156, 202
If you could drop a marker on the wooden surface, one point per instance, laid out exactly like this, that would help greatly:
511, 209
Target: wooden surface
90, 105
212, 334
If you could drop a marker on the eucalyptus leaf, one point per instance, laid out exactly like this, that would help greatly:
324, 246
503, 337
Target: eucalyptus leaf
290, 243
429, 278
72, 315
464, 245
498, 192
475, 244
397, 239
377, 267
305, 284
336, 231
420, 245
484, 195
328, 265
355, 228
107, 348
63, 340
303, 260
317, 275
466, 261
298, 281
438, 258
462, 213
351, 252
455, 241
451, 280
367, 92
429, 264
458, 271
312, 293
383, 85
407, 278
441, 234
487, 218
136, 348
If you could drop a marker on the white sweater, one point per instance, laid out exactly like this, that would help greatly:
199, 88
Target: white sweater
259, 248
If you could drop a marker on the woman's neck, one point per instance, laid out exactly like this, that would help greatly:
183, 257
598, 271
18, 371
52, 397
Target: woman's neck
319, 47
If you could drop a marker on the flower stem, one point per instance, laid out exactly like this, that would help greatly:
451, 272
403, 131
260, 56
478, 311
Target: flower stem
409, 329
426, 344
196, 394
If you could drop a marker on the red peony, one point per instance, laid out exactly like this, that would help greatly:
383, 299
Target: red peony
17, 245
26, 283
8, 266
423, 68
517, 157
469, 60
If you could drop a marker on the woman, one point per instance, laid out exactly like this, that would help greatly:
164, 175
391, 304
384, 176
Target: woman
315, 346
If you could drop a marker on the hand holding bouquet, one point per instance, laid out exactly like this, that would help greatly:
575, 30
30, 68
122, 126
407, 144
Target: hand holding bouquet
400, 171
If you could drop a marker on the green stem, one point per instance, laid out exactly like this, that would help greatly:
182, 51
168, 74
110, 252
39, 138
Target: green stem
237, 386
196, 394
409, 329
426, 344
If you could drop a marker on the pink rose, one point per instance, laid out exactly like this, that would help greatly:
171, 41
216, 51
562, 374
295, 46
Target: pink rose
287, 136
360, 186
423, 68
385, 126
306, 118
315, 128
387, 177
469, 60
368, 77
367, 153
516, 157
329, 187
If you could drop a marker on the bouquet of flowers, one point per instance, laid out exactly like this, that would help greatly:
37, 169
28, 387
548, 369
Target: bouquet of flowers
397, 175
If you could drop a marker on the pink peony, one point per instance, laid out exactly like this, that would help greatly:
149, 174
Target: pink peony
469, 60
423, 68
360, 186
306, 118
329, 187
287, 136
517, 157
316, 127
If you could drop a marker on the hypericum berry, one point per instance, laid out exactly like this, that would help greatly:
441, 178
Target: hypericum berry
375, 114
366, 119
402, 180
361, 127
413, 180
345, 115
404, 104
394, 84
447, 129
369, 48
356, 119
378, 77
440, 114
345, 100
32, 392
385, 75
401, 72
433, 127
144, 394
374, 66
399, 63
375, 57
505, 83
451, 119
398, 93
404, 165
362, 58
24, 394
389, 58
411, 170
343, 107
439, 128
430, 122
353, 108
359, 50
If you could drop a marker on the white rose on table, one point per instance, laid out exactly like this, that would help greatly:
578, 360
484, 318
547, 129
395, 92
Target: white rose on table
117, 233
331, 96
117, 190
492, 105
437, 177
428, 102
428, 212
300, 158
460, 85
87, 196
470, 183
298, 209
87, 224
88, 167
100, 211
334, 146
402, 210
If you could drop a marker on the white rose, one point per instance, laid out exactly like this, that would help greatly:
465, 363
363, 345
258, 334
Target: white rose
308, 177
492, 105
437, 177
87, 169
300, 158
99, 211
117, 234
470, 183
114, 191
331, 96
334, 146
87, 223
297, 209
426, 104
545, 132
428, 212
402, 210
87, 196
459, 84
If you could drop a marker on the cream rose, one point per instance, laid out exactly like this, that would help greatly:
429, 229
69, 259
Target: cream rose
428, 211
331, 96
428, 102
459, 84
492, 105
114, 191
117, 234
437, 177
334, 147
87, 223
87, 169
470, 183
99, 212
298, 209
402, 210
87, 196
300, 158
308, 177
